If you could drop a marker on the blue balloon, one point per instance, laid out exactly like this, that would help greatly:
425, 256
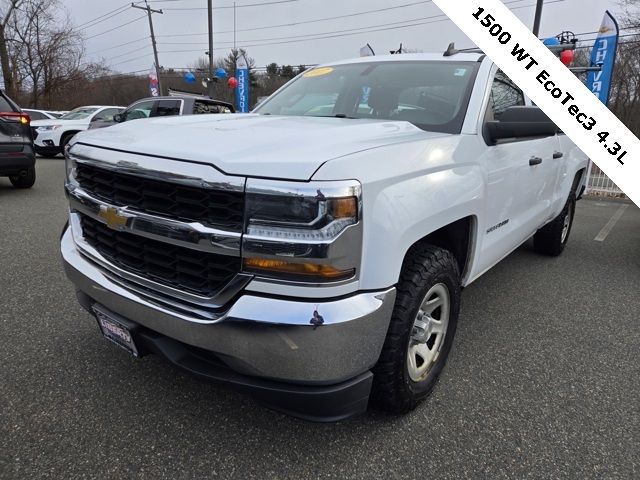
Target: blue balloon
551, 42
221, 73
189, 77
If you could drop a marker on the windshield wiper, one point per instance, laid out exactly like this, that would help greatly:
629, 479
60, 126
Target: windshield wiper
337, 115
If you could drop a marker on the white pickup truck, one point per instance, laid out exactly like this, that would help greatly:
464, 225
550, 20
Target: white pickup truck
313, 253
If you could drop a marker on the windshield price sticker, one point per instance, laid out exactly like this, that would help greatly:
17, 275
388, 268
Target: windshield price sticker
553, 87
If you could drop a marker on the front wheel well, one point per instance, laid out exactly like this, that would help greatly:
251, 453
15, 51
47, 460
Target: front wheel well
68, 134
456, 237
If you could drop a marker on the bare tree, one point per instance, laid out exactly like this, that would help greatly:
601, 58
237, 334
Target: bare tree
6, 14
46, 51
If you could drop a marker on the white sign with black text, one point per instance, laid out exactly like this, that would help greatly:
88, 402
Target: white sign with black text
552, 86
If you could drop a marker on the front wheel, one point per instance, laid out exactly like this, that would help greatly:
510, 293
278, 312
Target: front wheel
421, 331
64, 142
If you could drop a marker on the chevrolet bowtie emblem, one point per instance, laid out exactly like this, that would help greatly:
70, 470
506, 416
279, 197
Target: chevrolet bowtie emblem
112, 217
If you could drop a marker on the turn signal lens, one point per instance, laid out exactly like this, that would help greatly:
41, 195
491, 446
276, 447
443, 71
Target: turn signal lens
303, 271
25, 119
344, 207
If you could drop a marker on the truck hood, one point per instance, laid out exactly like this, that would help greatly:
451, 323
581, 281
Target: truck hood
283, 147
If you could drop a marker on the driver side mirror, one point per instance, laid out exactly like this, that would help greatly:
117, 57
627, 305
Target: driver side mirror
520, 123
119, 118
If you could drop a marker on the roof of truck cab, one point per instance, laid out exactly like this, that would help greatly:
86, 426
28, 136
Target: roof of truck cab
98, 106
412, 57
177, 97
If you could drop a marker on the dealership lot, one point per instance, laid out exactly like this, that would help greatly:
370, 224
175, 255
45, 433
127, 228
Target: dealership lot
543, 380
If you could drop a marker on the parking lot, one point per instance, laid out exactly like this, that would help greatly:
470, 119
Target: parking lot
543, 381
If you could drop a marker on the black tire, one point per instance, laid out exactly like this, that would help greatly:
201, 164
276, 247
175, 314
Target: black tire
24, 181
47, 152
426, 267
66, 138
551, 239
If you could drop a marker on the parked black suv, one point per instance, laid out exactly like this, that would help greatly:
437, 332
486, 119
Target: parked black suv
17, 156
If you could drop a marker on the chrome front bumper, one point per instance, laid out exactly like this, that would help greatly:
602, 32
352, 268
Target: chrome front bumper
267, 337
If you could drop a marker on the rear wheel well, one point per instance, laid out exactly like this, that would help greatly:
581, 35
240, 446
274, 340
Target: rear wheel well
455, 237
577, 179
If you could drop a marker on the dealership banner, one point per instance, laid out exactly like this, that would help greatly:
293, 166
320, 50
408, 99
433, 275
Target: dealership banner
154, 91
242, 92
553, 87
604, 55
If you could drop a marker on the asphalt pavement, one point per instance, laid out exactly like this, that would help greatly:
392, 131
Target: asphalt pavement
543, 380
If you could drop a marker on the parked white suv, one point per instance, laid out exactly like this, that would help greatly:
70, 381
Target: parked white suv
313, 252
51, 136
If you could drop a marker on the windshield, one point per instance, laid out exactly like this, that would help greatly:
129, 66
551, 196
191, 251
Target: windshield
78, 113
431, 95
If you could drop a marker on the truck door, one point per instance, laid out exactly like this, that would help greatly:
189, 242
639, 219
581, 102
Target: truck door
520, 181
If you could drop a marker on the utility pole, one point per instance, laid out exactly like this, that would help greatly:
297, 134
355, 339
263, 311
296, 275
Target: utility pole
149, 11
210, 84
538, 18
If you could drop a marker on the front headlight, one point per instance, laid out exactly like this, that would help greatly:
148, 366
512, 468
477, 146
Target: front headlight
70, 167
302, 231
49, 128
299, 217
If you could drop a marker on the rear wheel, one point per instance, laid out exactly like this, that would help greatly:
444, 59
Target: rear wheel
553, 237
421, 331
24, 181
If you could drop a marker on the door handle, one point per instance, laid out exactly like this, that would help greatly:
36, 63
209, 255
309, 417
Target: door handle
557, 155
535, 161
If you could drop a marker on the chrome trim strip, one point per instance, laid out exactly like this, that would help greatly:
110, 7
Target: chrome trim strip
191, 235
214, 302
207, 311
325, 189
173, 171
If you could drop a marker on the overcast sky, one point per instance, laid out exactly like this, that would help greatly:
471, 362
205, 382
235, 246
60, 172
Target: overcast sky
291, 31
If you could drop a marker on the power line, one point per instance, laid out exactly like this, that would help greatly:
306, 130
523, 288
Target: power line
123, 8
231, 6
119, 45
357, 31
115, 28
293, 24
136, 50
130, 60
93, 24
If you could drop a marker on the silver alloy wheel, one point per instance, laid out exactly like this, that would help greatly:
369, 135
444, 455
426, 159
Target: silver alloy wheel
428, 332
567, 223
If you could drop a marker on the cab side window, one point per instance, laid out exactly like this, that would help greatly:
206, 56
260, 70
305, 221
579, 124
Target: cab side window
106, 114
201, 106
504, 94
167, 108
139, 110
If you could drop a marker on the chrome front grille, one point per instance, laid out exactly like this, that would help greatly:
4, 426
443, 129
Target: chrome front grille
168, 230
182, 268
215, 208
